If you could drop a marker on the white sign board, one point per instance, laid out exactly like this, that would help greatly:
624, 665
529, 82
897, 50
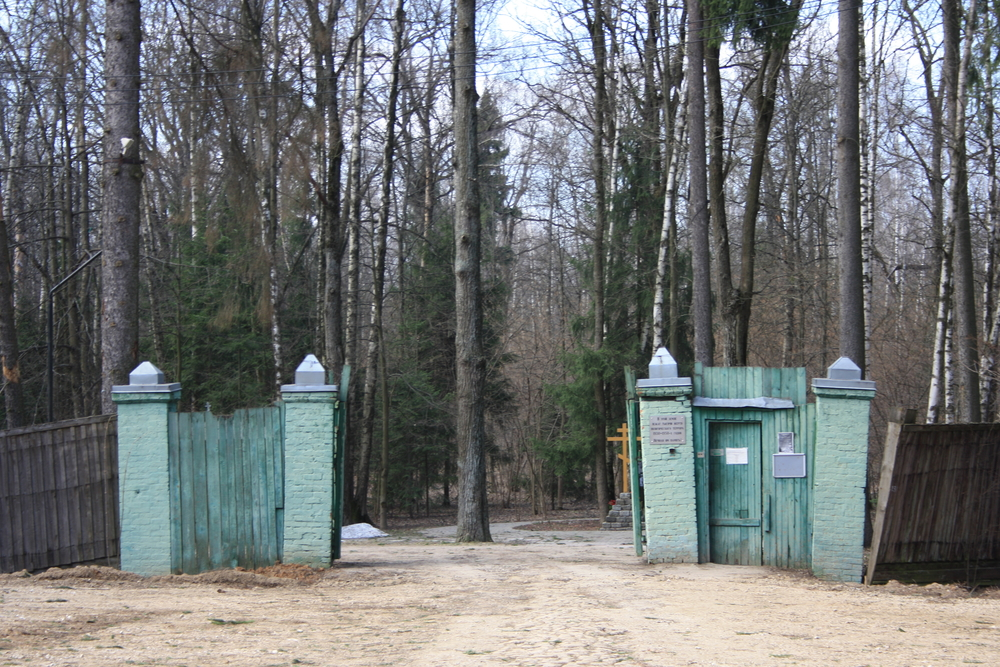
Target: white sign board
736, 456
667, 430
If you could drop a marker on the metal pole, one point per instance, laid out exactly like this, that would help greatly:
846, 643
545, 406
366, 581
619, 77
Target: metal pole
48, 340
49, 326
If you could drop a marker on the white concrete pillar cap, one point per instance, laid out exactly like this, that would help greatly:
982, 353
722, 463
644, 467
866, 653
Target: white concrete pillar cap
662, 365
146, 373
843, 369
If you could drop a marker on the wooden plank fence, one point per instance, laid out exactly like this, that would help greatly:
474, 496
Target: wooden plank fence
938, 511
59, 494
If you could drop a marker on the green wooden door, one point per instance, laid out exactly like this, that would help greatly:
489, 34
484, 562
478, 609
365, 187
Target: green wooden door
734, 493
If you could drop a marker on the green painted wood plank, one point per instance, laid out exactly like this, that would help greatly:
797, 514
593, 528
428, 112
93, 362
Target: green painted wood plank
202, 548
173, 457
632, 418
257, 485
227, 475
187, 562
268, 499
264, 506
267, 488
699, 428
245, 525
274, 482
214, 494
279, 459
233, 447
236, 492
250, 483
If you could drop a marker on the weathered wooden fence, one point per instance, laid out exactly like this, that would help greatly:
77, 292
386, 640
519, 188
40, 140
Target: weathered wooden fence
938, 511
226, 489
59, 494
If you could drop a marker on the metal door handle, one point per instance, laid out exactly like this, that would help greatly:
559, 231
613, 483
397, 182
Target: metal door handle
767, 513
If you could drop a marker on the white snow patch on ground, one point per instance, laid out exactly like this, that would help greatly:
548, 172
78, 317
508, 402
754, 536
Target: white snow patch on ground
360, 531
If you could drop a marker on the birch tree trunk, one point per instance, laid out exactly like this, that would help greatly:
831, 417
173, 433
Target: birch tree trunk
668, 231
867, 153
123, 174
353, 213
940, 358
273, 221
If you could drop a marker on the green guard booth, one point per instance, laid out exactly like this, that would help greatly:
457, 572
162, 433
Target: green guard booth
739, 467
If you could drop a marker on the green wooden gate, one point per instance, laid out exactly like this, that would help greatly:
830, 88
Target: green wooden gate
226, 489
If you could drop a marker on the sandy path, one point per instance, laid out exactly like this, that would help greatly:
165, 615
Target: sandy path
542, 599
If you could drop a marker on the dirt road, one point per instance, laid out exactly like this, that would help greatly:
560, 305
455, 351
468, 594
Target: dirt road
531, 598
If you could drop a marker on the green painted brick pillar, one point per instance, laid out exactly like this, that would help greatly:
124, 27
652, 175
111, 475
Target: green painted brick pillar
144, 469
310, 446
670, 510
839, 471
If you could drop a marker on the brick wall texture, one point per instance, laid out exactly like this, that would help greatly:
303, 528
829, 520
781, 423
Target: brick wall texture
309, 449
144, 481
839, 474
668, 487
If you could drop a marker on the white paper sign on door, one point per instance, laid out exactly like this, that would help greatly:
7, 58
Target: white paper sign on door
736, 456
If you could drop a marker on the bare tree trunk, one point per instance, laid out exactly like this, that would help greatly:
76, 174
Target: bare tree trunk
13, 192
991, 309
701, 261
9, 353
331, 143
375, 355
716, 189
353, 212
122, 185
852, 325
473, 507
596, 27
383, 487
955, 76
737, 311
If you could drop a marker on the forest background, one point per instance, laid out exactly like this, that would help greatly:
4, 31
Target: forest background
272, 225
